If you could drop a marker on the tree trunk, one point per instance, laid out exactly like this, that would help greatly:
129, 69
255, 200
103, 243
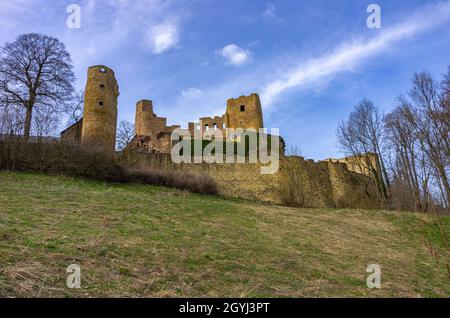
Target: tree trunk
445, 183
27, 128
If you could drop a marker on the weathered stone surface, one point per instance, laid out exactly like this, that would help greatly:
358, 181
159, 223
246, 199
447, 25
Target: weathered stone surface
152, 133
72, 134
330, 183
326, 184
100, 108
362, 164
244, 112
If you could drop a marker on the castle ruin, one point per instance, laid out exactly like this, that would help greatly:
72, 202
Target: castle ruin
328, 183
99, 123
153, 135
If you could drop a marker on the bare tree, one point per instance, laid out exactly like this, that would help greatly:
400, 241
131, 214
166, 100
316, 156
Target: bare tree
408, 164
433, 126
35, 70
45, 122
445, 118
125, 134
75, 108
361, 134
11, 120
418, 134
446, 88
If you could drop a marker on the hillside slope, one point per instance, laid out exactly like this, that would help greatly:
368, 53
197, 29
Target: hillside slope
143, 241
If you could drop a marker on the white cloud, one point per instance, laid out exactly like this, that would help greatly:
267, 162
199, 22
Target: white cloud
191, 92
234, 55
270, 11
212, 100
161, 38
350, 55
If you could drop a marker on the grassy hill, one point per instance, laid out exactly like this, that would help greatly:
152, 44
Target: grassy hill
136, 240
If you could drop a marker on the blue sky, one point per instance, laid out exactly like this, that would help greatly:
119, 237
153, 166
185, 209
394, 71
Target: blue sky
310, 61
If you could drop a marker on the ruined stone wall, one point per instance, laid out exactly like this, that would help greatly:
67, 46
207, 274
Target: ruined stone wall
100, 108
244, 112
191, 128
147, 123
362, 164
325, 184
152, 133
234, 180
143, 119
159, 124
352, 189
73, 133
213, 125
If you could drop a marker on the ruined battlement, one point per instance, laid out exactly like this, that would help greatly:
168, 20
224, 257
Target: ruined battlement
147, 123
210, 125
152, 132
365, 164
144, 117
244, 112
144, 105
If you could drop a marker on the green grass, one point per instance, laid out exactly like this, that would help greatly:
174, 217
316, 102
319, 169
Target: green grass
146, 241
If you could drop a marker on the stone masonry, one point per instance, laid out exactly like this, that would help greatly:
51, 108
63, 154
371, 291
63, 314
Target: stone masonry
98, 126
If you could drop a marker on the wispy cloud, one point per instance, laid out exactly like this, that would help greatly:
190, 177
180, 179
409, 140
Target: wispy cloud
110, 25
234, 55
162, 37
210, 99
191, 92
270, 11
349, 55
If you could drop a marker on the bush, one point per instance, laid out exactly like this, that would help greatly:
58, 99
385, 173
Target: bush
174, 179
235, 145
294, 187
59, 158
90, 162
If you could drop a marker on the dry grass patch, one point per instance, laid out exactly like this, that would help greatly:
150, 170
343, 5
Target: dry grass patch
147, 241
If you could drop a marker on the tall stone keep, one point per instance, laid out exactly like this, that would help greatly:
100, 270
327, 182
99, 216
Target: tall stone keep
144, 118
244, 112
100, 108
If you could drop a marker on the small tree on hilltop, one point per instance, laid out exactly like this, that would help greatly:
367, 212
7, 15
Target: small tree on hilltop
35, 70
125, 134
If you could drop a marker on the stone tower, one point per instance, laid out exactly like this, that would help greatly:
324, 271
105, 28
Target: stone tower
244, 112
100, 108
144, 117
